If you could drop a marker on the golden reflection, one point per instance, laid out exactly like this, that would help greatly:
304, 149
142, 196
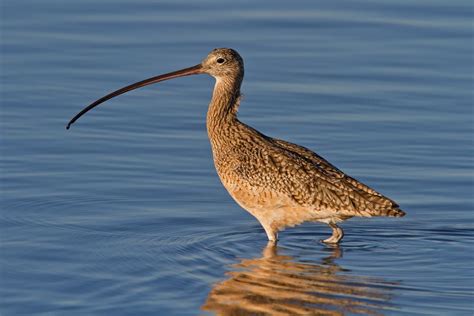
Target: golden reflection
277, 285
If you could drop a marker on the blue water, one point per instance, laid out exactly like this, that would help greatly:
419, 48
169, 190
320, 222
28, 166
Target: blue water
124, 213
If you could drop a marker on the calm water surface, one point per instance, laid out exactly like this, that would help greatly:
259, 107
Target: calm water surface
124, 214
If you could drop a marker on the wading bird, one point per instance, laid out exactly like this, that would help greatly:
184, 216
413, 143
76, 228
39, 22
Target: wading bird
280, 183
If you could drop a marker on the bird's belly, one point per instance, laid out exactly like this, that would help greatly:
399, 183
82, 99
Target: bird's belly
273, 209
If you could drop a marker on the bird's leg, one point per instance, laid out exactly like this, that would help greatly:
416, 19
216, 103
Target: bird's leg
271, 234
337, 234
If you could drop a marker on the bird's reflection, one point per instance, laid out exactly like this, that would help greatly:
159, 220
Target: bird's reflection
277, 285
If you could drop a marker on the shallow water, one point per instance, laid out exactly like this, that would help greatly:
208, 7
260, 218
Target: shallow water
124, 214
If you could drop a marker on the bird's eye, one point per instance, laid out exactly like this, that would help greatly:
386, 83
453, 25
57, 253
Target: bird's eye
220, 60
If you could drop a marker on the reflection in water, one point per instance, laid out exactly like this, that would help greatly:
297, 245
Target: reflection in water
277, 285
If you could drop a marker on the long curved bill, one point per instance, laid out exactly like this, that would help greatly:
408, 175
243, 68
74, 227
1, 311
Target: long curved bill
175, 74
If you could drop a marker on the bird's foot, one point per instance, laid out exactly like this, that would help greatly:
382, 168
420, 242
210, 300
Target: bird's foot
331, 240
336, 237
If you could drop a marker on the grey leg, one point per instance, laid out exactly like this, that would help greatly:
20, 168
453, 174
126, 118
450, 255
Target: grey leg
337, 234
271, 234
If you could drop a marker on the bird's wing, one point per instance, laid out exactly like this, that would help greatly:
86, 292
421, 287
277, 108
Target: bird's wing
327, 186
329, 168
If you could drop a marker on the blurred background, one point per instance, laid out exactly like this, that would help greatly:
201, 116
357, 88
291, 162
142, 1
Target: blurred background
124, 213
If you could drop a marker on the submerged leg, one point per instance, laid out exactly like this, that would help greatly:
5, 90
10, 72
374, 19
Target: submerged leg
337, 234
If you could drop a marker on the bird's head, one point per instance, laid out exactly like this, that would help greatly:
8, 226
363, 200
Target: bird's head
223, 62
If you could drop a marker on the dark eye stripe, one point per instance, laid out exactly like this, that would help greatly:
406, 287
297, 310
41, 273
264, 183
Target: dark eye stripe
220, 60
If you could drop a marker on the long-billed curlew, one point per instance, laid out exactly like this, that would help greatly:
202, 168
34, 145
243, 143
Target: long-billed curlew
280, 183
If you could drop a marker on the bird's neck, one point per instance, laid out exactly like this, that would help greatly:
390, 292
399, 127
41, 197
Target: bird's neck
222, 112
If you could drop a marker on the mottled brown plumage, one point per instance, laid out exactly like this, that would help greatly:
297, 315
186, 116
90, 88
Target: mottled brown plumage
280, 183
